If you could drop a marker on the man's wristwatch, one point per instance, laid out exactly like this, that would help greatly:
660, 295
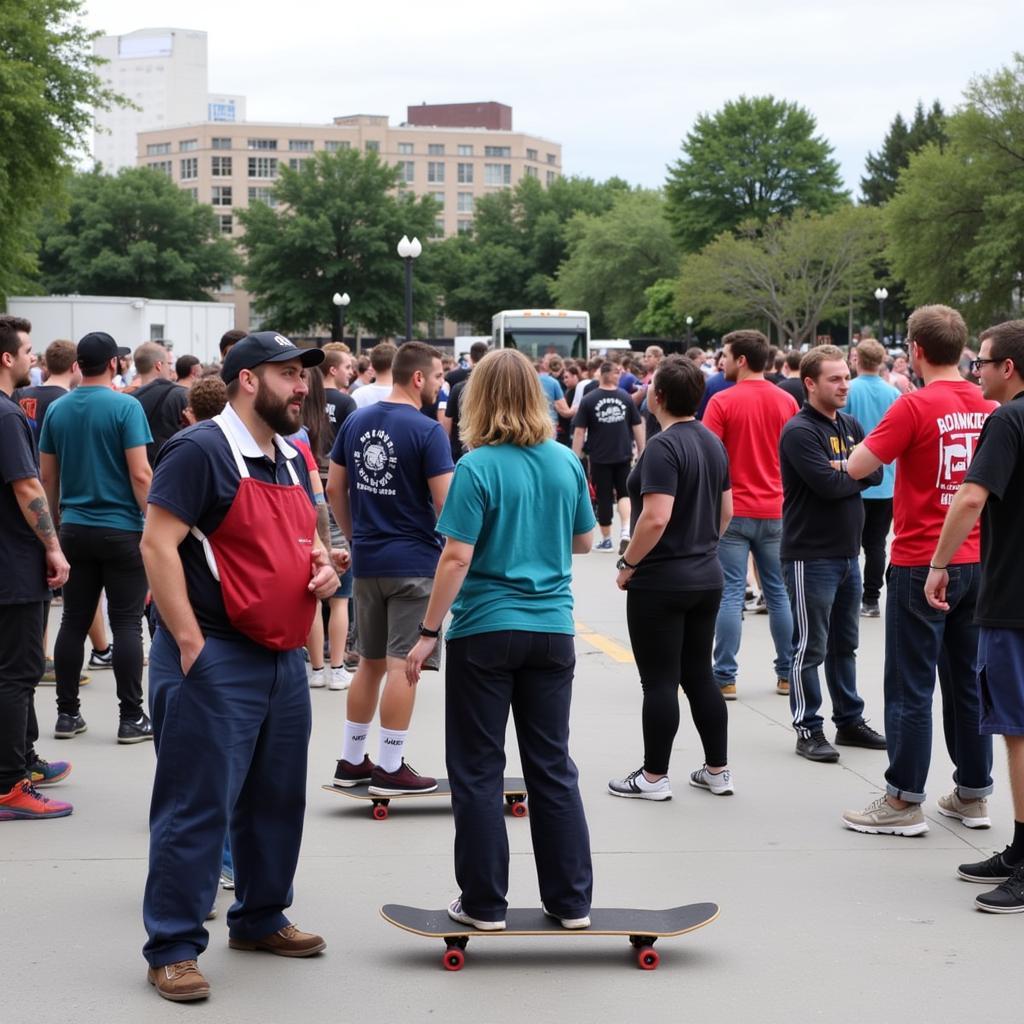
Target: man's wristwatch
623, 564
433, 634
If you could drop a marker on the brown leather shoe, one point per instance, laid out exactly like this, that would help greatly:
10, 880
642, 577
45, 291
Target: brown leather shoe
181, 982
289, 941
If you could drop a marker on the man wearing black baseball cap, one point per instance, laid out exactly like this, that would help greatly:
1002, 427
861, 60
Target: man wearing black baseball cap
236, 570
94, 469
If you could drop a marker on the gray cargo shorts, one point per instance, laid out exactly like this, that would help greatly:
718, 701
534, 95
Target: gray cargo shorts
389, 610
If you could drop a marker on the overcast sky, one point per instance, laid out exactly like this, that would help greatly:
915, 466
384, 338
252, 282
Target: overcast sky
617, 84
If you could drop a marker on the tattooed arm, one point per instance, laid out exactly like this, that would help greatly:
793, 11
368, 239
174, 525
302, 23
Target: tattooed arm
36, 510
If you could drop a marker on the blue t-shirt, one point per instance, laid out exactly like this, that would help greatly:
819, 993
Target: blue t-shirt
89, 430
715, 383
552, 392
870, 398
390, 452
628, 383
521, 572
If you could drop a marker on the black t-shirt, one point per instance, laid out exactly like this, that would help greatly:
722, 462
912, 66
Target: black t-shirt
689, 462
22, 558
339, 407
794, 386
456, 376
163, 402
608, 416
453, 412
35, 401
998, 466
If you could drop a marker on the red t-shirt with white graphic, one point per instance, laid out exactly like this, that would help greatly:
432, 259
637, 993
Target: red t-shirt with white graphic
932, 434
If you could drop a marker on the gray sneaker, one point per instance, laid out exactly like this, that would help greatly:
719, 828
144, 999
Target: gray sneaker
635, 786
971, 813
880, 818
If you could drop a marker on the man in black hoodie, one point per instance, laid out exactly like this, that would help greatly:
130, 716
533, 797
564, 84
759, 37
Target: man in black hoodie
822, 518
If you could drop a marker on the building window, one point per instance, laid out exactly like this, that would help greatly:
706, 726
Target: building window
406, 170
405, 148
465, 174
163, 167
552, 159
497, 174
438, 197
465, 202
435, 149
465, 150
262, 194
221, 195
262, 167
227, 223
220, 143
220, 166
158, 148
262, 144
465, 225
227, 288
372, 146
438, 229
336, 144
295, 163
300, 145
550, 177
192, 193
531, 172
497, 150
189, 168
531, 154
156, 333
187, 145
435, 171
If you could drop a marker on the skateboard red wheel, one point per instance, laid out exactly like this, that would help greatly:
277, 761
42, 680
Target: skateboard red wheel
519, 809
454, 959
380, 811
647, 958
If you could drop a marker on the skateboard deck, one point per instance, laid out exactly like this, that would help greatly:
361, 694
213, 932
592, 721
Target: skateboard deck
514, 790
642, 927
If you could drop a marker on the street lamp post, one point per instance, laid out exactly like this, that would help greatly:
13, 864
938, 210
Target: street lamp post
341, 302
408, 250
881, 294
689, 331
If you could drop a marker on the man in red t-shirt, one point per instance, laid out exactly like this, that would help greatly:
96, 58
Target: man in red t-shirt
932, 434
749, 419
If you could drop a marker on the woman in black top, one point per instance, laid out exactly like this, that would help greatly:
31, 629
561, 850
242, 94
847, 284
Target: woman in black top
681, 498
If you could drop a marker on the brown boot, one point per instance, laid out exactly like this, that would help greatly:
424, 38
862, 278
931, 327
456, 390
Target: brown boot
181, 982
289, 941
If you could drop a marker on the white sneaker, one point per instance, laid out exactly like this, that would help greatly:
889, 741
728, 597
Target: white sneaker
720, 784
316, 679
636, 787
341, 678
456, 913
572, 923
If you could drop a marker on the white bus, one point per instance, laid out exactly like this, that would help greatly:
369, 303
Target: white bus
540, 332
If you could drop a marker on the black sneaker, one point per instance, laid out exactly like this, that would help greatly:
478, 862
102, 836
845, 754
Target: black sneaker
859, 735
1007, 898
102, 659
68, 727
870, 610
995, 869
816, 748
135, 732
347, 774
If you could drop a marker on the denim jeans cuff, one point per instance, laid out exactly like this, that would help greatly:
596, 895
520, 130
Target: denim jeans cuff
974, 794
903, 794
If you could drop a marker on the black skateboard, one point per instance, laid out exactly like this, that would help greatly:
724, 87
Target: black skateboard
641, 927
514, 790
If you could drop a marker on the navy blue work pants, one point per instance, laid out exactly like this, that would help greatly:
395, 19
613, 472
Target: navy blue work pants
231, 744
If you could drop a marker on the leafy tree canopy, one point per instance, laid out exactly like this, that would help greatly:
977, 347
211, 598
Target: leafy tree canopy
660, 317
878, 185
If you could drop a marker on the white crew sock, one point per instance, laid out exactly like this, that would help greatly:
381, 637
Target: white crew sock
392, 743
354, 749
624, 533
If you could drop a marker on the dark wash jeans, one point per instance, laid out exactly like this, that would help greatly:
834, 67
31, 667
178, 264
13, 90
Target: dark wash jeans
21, 667
486, 675
825, 596
919, 639
877, 521
102, 559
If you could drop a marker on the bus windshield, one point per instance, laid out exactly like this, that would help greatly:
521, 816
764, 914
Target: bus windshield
537, 344
542, 332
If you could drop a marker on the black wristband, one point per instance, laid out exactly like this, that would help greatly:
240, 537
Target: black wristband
939, 568
433, 634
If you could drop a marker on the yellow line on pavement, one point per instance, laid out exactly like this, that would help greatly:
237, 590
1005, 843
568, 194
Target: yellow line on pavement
604, 644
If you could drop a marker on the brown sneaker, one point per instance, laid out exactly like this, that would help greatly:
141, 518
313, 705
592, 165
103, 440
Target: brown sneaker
405, 780
729, 691
181, 982
782, 687
289, 941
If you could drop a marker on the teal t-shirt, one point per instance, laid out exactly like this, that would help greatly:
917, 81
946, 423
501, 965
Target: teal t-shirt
519, 508
88, 430
870, 398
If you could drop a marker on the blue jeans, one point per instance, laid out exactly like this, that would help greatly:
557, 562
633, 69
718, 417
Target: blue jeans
825, 594
919, 639
762, 538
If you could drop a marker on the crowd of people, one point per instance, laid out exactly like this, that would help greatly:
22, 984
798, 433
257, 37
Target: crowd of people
292, 518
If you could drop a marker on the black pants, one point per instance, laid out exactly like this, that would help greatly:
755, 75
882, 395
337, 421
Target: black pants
609, 481
102, 559
531, 673
672, 633
877, 520
21, 667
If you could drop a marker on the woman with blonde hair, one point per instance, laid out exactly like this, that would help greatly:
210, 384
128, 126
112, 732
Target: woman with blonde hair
506, 574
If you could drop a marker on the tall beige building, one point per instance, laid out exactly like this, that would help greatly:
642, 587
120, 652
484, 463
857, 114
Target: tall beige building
455, 153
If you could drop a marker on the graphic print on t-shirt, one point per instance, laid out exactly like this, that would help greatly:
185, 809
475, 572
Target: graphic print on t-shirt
610, 410
958, 437
375, 462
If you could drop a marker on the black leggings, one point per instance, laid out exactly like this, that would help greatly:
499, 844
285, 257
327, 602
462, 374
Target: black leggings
672, 633
609, 480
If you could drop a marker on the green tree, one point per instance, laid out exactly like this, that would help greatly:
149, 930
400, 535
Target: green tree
660, 317
134, 233
956, 223
878, 185
47, 86
335, 228
794, 272
613, 257
755, 159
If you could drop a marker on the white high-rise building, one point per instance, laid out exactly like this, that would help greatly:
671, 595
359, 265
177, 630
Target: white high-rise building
163, 71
